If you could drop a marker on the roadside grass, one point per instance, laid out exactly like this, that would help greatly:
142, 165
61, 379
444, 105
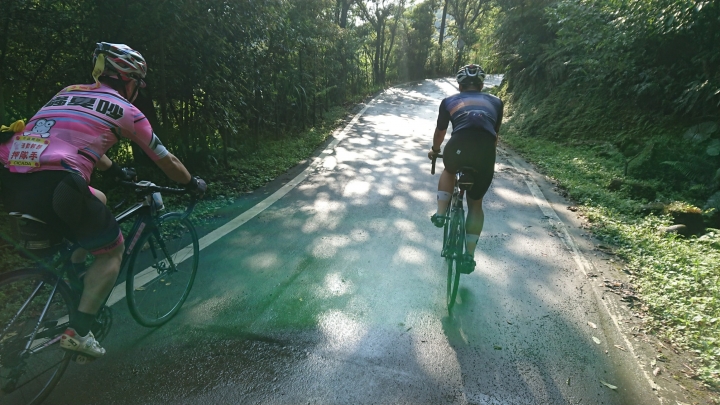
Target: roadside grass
677, 279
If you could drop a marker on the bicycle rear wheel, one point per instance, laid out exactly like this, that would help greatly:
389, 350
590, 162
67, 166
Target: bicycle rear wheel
162, 270
452, 258
31, 366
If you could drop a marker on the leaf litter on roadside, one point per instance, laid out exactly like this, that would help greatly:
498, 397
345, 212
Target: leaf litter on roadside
626, 291
607, 384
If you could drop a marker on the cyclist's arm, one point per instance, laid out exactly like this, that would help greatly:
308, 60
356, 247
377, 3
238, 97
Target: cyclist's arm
438, 138
144, 137
173, 168
443, 121
104, 163
498, 122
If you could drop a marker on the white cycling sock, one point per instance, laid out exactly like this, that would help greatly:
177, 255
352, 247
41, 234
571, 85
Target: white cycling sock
443, 200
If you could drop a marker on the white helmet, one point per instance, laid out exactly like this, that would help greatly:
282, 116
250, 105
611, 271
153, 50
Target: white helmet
470, 74
121, 62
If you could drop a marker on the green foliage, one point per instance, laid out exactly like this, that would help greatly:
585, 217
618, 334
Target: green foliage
417, 44
658, 54
468, 17
678, 279
650, 147
484, 51
222, 74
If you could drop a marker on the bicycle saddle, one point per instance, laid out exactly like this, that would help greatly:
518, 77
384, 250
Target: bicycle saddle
467, 178
33, 233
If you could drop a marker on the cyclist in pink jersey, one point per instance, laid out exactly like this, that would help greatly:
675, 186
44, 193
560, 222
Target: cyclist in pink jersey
45, 171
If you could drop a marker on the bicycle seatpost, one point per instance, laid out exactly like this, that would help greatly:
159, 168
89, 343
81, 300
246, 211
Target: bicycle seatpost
437, 155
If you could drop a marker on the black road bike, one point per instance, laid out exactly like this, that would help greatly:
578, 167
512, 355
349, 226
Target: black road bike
454, 231
37, 304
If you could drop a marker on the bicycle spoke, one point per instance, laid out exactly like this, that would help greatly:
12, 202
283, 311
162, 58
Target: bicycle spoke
22, 309
42, 315
39, 374
31, 360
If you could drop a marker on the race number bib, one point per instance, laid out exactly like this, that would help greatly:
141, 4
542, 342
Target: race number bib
26, 151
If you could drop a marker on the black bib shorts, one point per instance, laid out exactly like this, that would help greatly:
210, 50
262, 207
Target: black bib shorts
473, 148
63, 201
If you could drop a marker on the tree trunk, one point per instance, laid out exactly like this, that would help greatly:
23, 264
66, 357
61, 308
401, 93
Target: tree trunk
343, 7
442, 35
376, 57
393, 31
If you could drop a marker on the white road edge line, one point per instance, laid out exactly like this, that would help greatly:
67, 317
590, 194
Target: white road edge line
145, 276
582, 263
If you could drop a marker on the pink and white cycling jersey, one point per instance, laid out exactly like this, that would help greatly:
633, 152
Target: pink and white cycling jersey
74, 129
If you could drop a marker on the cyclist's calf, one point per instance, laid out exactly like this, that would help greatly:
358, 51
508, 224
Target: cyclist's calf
474, 223
100, 279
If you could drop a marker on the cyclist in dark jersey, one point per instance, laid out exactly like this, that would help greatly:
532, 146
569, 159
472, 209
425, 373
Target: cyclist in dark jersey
476, 119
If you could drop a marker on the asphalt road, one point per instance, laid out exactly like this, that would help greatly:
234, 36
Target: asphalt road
335, 294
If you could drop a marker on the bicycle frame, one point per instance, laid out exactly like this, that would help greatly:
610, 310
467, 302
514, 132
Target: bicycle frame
455, 210
56, 276
144, 211
454, 238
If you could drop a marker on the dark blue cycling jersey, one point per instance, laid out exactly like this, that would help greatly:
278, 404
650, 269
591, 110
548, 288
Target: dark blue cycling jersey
471, 110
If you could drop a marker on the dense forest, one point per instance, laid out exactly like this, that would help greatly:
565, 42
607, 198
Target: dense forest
222, 74
633, 82
642, 75
225, 73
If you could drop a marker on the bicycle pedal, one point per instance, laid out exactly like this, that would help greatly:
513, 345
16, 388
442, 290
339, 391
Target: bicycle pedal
82, 359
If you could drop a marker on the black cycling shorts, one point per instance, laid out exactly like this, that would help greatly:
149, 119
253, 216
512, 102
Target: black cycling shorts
476, 149
63, 201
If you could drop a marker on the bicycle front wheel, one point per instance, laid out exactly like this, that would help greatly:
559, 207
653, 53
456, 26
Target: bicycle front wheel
162, 270
452, 258
36, 309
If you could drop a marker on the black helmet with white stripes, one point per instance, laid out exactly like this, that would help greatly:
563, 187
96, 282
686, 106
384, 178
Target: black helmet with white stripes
470, 74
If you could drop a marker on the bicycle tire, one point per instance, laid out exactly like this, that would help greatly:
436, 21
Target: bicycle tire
452, 257
162, 270
28, 379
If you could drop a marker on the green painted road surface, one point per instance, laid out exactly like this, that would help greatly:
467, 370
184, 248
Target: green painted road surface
335, 294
